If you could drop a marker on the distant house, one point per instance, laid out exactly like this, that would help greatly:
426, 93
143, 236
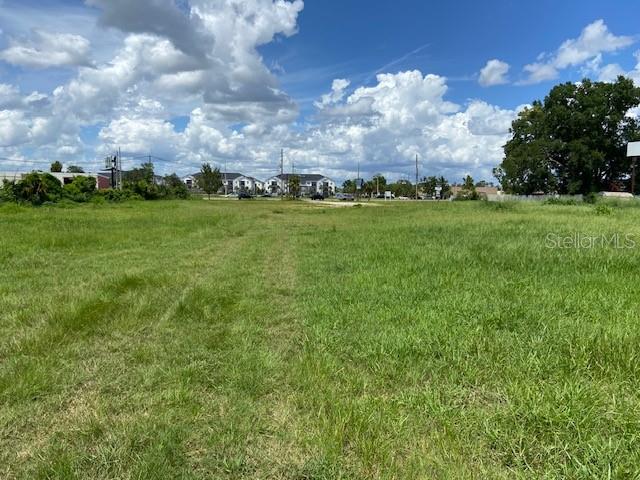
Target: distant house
104, 181
245, 183
234, 182
482, 191
310, 183
191, 181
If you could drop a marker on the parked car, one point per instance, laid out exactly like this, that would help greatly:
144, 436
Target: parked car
317, 196
345, 197
244, 196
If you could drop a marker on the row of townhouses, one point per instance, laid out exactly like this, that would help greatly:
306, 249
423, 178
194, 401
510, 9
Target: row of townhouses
237, 182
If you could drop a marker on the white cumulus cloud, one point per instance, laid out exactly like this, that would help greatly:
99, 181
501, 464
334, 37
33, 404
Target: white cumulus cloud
494, 73
594, 40
338, 90
45, 49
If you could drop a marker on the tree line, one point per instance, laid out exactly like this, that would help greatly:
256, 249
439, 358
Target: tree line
429, 187
401, 188
38, 188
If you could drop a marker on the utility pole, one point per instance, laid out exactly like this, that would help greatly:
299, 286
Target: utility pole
119, 168
282, 173
114, 171
225, 178
358, 183
417, 175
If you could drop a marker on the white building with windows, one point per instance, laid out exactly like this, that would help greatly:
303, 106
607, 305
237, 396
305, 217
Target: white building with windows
310, 183
231, 183
237, 182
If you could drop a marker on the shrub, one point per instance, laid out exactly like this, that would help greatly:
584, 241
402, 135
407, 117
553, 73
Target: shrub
499, 206
98, 200
37, 188
591, 198
112, 195
7, 192
143, 189
560, 201
174, 187
81, 189
602, 209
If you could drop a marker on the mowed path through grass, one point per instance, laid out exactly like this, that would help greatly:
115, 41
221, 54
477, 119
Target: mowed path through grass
273, 339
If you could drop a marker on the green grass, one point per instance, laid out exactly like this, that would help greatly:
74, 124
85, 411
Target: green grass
280, 340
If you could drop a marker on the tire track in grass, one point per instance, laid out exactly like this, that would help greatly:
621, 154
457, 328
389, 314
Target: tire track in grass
248, 403
281, 445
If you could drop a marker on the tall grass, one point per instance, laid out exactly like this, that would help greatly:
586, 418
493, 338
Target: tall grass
254, 340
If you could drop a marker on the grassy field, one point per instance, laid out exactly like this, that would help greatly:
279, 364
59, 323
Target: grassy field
274, 339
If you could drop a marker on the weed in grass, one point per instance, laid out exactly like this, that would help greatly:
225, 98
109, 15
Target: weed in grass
561, 201
603, 209
500, 206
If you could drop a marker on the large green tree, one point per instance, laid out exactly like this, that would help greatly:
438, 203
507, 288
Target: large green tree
141, 181
445, 191
574, 141
349, 186
380, 182
174, 187
403, 188
209, 180
429, 185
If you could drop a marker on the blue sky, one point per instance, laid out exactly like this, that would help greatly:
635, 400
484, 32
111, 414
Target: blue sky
332, 82
354, 39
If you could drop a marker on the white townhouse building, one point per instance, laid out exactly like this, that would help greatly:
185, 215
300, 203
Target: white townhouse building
310, 183
191, 181
237, 182
234, 182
